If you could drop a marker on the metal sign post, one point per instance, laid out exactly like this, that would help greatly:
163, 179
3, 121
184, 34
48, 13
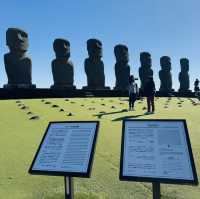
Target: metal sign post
69, 188
156, 190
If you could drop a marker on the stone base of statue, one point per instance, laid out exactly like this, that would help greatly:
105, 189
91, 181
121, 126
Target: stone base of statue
120, 88
19, 86
62, 87
95, 88
184, 91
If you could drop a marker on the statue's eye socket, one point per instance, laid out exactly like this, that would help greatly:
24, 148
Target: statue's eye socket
20, 37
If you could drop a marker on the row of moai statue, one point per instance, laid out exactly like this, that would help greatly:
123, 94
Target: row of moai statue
18, 66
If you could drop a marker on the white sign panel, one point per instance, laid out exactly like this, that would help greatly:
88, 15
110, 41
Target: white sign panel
156, 149
66, 147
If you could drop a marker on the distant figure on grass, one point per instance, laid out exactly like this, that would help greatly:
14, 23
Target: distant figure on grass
133, 92
149, 91
196, 87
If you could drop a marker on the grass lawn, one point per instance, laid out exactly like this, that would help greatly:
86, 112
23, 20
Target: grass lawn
22, 125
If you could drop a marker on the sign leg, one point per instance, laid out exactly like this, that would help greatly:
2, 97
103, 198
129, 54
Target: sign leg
69, 188
156, 190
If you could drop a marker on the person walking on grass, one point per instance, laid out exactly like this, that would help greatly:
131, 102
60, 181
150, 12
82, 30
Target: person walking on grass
133, 92
149, 91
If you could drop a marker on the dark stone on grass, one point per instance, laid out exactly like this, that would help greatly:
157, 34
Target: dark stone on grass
72, 102
113, 107
124, 110
61, 110
24, 107
42, 100
103, 104
18, 101
70, 114
20, 105
144, 108
34, 117
54, 106
102, 112
66, 99
29, 113
82, 105
47, 102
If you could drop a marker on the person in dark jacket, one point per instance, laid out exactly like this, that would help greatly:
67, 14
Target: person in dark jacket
133, 92
149, 91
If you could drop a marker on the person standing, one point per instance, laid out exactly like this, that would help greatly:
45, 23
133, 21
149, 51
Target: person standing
196, 87
133, 92
149, 91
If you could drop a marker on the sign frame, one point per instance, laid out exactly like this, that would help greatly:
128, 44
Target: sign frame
157, 179
64, 173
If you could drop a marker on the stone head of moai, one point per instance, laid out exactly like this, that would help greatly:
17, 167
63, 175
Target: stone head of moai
17, 41
165, 63
184, 62
145, 59
121, 54
94, 48
61, 48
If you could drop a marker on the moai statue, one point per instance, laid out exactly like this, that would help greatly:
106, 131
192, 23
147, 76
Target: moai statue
184, 78
145, 70
165, 74
62, 68
122, 68
94, 66
17, 65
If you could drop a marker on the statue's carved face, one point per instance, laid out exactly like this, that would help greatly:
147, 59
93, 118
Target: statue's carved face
17, 40
165, 63
61, 48
184, 65
145, 59
121, 53
94, 48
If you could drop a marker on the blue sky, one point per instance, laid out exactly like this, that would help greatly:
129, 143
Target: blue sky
161, 27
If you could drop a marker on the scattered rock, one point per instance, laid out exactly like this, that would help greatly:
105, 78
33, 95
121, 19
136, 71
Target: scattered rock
82, 105
103, 104
18, 101
34, 117
42, 100
102, 112
24, 107
61, 110
66, 99
113, 107
29, 113
54, 106
69, 114
124, 110
47, 102
72, 102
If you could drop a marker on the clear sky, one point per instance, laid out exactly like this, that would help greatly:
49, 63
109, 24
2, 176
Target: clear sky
161, 27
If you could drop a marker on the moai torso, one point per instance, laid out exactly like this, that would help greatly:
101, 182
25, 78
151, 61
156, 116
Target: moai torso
184, 78
122, 68
145, 70
94, 66
17, 64
62, 68
165, 74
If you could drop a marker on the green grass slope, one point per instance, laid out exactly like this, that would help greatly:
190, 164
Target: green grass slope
23, 122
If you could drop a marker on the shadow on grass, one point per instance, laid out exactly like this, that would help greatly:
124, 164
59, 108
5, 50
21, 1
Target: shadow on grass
79, 195
127, 117
100, 115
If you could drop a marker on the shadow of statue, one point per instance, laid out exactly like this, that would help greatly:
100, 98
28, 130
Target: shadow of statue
127, 117
100, 115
